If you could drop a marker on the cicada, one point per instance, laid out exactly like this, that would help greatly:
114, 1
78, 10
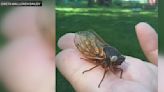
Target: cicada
97, 51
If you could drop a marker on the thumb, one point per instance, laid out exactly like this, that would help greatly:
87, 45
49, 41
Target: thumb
148, 40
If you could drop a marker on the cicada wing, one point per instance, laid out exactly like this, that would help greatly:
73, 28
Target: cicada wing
89, 44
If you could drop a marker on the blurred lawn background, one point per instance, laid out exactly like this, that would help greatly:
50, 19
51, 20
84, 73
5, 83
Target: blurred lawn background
3, 10
113, 22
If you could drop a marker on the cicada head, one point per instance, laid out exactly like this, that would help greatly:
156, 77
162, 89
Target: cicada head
112, 54
120, 60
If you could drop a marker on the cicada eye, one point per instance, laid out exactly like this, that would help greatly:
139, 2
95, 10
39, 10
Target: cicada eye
114, 58
120, 60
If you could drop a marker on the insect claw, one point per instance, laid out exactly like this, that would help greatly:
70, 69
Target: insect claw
99, 86
85, 71
84, 59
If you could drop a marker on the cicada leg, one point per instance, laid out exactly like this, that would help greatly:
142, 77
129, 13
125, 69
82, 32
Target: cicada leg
118, 69
91, 59
103, 77
85, 59
91, 68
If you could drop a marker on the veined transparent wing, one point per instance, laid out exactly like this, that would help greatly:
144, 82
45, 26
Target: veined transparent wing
90, 44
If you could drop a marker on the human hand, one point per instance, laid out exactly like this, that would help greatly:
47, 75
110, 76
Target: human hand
138, 76
27, 61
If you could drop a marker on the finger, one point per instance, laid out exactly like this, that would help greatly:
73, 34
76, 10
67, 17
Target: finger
24, 63
13, 25
66, 41
148, 40
134, 68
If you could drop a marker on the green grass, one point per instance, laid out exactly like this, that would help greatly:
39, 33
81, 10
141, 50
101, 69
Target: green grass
3, 10
114, 25
2, 87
